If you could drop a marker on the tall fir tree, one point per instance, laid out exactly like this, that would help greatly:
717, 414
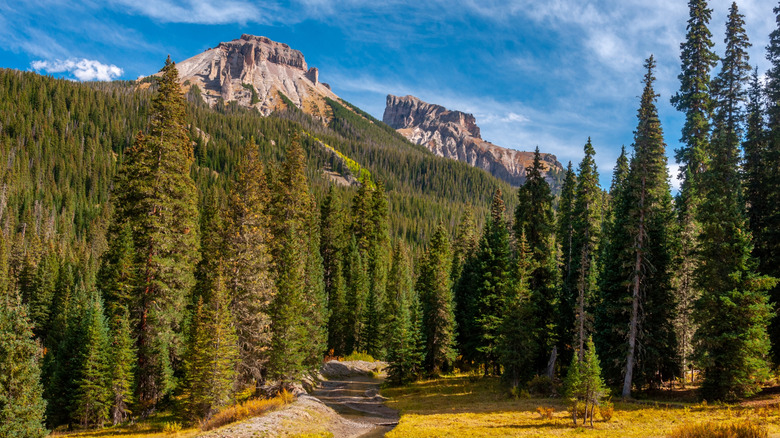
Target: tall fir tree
156, 197
579, 285
92, 398
733, 311
493, 284
22, 406
518, 339
122, 374
356, 295
768, 239
755, 168
248, 262
565, 237
466, 270
332, 249
534, 218
648, 220
435, 288
404, 350
297, 318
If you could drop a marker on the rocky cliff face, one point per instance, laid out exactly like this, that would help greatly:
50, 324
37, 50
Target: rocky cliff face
252, 70
454, 134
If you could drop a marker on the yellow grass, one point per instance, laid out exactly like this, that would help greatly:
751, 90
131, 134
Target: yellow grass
456, 406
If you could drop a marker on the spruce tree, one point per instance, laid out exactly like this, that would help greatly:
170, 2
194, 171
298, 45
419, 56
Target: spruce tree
493, 284
648, 260
357, 293
768, 239
22, 406
249, 265
579, 285
465, 244
435, 289
122, 370
584, 385
296, 311
565, 236
332, 248
756, 176
403, 346
733, 311
517, 342
466, 264
534, 218
116, 277
156, 197
92, 398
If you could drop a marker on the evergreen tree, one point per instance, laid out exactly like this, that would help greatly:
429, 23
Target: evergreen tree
466, 271
213, 353
584, 384
378, 260
22, 406
122, 369
768, 239
648, 221
493, 284
517, 343
156, 198
465, 245
564, 223
357, 292
579, 286
332, 248
316, 311
404, 352
92, 398
297, 300
756, 169
249, 265
116, 277
435, 289
534, 218
733, 311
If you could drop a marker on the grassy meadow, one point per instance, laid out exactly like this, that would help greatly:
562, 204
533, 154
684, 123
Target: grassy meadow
479, 407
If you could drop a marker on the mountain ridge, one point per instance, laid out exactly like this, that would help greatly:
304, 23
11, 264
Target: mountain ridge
456, 135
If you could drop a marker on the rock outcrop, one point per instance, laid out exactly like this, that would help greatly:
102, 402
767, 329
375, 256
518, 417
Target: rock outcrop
454, 134
252, 70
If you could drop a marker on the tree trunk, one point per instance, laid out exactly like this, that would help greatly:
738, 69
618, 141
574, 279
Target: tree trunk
632, 334
551, 363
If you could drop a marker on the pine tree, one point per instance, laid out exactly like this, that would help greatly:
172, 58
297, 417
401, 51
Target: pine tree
92, 398
466, 263
249, 265
157, 199
517, 343
197, 363
404, 351
534, 218
464, 246
116, 278
378, 260
122, 360
22, 406
565, 237
756, 169
435, 289
316, 311
733, 311
493, 283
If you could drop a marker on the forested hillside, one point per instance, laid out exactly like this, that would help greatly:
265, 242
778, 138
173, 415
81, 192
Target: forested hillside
160, 255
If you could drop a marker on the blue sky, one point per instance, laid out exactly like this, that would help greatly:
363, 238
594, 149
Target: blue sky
547, 73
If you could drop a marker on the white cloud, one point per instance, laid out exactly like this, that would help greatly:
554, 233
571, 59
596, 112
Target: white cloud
82, 69
198, 11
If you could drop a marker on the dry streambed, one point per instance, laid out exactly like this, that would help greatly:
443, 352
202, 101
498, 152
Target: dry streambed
346, 404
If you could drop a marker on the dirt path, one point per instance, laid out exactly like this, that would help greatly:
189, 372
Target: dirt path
357, 398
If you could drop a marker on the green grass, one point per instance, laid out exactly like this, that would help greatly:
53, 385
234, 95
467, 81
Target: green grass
459, 406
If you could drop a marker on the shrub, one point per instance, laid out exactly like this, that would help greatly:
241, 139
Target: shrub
541, 385
171, 428
744, 429
545, 412
606, 410
248, 409
360, 355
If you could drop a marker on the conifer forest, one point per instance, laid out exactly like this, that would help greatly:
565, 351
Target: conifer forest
158, 254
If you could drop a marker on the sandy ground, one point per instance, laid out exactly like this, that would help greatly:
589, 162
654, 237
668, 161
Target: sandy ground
347, 404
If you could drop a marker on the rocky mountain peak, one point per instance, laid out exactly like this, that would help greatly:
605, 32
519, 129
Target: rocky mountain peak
455, 134
253, 70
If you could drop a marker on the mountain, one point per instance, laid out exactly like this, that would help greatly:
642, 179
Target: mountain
454, 134
252, 71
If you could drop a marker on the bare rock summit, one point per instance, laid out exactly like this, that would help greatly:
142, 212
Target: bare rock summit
455, 134
252, 70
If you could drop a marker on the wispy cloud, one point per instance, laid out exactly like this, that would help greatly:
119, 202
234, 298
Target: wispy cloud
200, 11
82, 69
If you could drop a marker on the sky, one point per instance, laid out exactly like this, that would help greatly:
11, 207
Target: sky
534, 73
